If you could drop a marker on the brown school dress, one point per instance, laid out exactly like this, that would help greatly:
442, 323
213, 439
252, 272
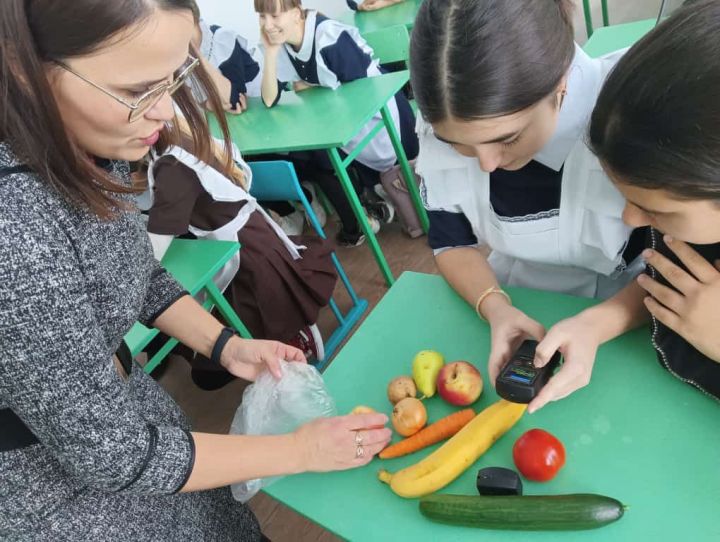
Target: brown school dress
274, 295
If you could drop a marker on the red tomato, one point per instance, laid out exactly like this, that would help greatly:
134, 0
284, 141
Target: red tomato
538, 455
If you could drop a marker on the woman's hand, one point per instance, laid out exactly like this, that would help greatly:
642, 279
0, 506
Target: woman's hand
576, 338
509, 327
693, 309
247, 358
344, 442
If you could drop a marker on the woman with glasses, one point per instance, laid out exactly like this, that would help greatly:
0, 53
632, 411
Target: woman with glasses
90, 446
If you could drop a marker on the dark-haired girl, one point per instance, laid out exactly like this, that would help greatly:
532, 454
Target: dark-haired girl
656, 131
505, 96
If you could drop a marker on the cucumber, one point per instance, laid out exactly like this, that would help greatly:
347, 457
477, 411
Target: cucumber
524, 513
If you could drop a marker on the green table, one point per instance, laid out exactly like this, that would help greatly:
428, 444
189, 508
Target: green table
193, 263
368, 21
636, 433
612, 38
321, 118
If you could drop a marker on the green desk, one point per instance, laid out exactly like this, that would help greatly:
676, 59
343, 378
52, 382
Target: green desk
636, 433
368, 21
321, 118
193, 263
612, 38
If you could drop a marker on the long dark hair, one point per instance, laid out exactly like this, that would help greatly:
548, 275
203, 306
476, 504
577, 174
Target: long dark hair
472, 59
656, 123
36, 32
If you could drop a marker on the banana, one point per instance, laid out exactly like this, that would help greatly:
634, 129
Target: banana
462, 450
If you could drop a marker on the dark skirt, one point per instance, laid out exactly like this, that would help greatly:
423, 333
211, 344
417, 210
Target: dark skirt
274, 295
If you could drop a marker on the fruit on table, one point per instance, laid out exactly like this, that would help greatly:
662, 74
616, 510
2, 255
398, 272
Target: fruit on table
459, 383
538, 455
440, 430
409, 416
425, 368
528, 513
362, 409
452, 458
401, 388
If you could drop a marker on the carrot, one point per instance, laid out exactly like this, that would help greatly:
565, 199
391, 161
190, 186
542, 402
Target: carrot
440, 430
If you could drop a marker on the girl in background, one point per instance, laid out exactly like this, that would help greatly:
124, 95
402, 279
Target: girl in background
304, 48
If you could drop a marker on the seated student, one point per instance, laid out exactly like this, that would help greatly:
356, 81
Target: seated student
233, 63
655, 131
235, 66
307, 49
371, 5
277, 285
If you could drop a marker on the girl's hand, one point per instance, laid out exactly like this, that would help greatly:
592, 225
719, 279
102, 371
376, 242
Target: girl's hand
247, 358
372, 5
240, 108
577, 340
692, 310
271, 44
509, 327
299, 86
344, 442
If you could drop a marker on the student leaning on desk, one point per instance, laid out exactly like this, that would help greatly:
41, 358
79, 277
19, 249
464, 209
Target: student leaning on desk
504, 160
656, 131
86, 447
305, 48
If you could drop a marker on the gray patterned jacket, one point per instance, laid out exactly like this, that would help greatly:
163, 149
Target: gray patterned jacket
111, 453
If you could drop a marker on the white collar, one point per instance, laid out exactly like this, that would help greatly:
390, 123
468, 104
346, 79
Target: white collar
308, 39
585, 78
206, 43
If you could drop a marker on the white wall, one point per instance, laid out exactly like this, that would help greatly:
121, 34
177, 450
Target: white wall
240, 14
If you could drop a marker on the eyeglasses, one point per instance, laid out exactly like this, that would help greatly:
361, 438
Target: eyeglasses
149, 98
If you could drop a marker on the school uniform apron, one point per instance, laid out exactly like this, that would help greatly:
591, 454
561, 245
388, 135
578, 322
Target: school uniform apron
577, 250
221, 188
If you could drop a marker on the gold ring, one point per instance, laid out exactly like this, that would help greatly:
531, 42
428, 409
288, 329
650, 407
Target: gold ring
359, 452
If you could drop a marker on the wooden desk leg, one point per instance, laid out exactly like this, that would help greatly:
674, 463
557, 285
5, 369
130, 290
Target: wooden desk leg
357, 208
405, 166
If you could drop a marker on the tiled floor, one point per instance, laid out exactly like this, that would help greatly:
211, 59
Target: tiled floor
213, 411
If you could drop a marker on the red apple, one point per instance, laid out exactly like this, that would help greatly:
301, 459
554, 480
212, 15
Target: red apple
459, 383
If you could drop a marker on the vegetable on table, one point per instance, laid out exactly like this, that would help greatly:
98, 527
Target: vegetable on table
440, 430
528, 513
538, 455
452, 458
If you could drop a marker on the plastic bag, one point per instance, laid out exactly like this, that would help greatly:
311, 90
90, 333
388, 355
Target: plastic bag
273, 407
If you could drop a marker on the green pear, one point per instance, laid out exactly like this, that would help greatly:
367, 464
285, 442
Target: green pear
425, 368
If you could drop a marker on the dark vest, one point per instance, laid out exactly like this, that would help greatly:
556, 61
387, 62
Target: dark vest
675, 353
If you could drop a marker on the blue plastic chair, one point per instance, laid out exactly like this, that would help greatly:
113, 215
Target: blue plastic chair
277, 181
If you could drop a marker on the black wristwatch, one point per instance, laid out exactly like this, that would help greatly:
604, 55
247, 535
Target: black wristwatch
220, 343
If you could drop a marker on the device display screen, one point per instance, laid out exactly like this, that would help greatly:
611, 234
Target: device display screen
522, 376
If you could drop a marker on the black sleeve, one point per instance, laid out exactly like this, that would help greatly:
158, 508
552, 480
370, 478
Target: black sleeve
449, 230
239, 69
346, 59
